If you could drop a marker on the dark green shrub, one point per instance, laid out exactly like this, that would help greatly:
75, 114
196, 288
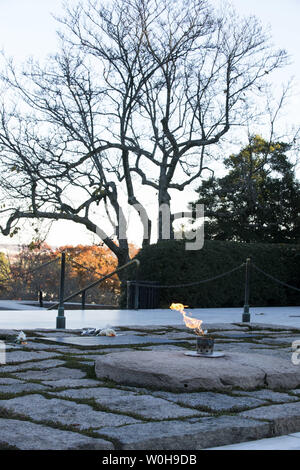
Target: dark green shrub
169, 263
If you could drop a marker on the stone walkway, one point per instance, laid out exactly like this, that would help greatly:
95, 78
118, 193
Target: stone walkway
51, 398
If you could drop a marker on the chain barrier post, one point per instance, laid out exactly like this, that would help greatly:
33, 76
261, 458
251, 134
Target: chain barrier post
128, 289
246, 314
83, 300
41, 303
136, 295
137, 289
60, 319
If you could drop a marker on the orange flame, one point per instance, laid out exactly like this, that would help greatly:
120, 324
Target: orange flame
190, 322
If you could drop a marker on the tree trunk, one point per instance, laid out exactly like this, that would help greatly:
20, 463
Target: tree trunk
165, 219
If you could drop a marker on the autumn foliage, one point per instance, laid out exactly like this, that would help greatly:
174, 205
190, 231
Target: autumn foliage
37, 268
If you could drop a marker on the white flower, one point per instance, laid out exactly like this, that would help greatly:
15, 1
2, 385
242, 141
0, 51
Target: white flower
107, 332
21, 338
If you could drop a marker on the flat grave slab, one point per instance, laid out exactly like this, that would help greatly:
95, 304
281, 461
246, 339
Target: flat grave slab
173, 370
109, 340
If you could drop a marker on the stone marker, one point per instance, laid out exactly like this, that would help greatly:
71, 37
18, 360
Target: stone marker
172, 370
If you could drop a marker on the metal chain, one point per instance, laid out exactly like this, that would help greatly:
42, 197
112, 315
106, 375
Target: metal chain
93, 271
192, 283
274, 278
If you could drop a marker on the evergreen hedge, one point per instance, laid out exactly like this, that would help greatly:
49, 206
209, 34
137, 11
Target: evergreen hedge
169, 263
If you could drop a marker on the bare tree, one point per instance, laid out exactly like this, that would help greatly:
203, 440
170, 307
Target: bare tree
137, 94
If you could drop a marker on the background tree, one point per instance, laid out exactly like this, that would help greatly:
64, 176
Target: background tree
4, 271
34, 268
137, 94
258, 200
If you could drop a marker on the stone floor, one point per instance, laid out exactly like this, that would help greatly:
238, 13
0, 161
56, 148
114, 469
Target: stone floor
51, 398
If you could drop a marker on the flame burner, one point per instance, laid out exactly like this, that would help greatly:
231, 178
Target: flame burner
204, 348
205, 345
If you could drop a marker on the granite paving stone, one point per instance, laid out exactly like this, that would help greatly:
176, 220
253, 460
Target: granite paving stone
153, 328
145, 406
285, 418
25, 356
269, 327
72, 383
156, 397
288, 442
25, 435
225, 327
189, 434
9, 347
21, 388
33, 345
39, 365
179, 335
225, 340
280, 341
269, 395
163, 347
89, 357
55, 373
107, 350
8, 334
65, 412
213, 401
237, 334
10, 381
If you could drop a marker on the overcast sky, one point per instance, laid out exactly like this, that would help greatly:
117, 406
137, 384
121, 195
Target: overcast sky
28, 29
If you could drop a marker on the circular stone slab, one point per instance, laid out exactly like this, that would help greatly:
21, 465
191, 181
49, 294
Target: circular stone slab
195, 354
173, 370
